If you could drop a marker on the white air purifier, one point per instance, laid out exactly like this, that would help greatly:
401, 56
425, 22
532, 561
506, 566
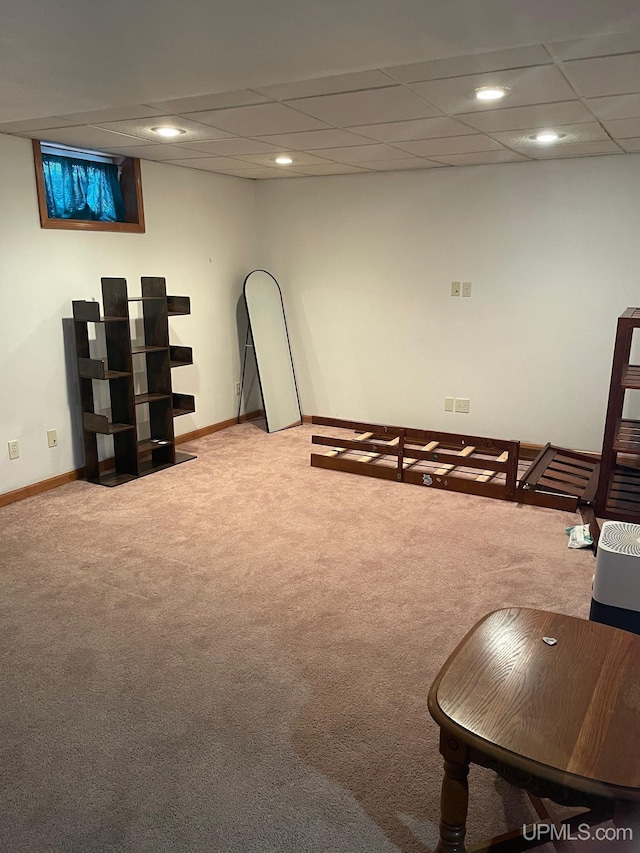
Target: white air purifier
616, 585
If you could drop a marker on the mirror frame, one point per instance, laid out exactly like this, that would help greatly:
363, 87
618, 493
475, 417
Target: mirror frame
255, 353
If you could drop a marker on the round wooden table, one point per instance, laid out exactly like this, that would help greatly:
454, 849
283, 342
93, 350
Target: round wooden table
550, 702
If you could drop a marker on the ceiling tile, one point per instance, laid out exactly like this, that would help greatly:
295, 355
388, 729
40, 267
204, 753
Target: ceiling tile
401, 116
576, 149
456, 95
142, 128
215, 101
161, 151
623, 128
135, 150
86, 137
609, 75
327, 85
34, 124
450, 145
480, 158
394, 103
299, 159
260, 173
333, 169
362, 153
115, 114
477, 63
587, 132
208, 164
538, 115
311, 139
400, 165
425, 128
232, 146
615, 106
259, 120
598, 46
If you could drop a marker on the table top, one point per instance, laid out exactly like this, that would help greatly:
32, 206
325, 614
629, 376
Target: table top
567, 712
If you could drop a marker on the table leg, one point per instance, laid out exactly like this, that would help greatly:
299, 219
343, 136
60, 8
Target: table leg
455, 795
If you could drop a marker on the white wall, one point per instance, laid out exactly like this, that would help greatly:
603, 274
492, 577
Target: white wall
200, 236
366, 263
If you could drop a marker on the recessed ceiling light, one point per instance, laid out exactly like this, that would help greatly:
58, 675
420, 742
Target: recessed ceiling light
547, 137
491, 93
168, 131
284, 161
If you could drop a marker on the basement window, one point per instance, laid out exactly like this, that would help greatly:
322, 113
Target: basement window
87, 190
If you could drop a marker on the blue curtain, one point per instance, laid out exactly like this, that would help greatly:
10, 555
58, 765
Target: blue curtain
82, 189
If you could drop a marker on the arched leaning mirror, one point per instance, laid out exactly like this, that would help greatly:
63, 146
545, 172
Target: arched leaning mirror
268, 328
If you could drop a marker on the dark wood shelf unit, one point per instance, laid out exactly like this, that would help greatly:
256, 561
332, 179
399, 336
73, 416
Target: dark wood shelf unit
631, 378
113, 478
618, 494
627, 436
179, 356
101, 423
146, 445
149, 466
143, 349
623, 497
178, 305
89, 312
149, 398
96, 368
183, 404
132, 457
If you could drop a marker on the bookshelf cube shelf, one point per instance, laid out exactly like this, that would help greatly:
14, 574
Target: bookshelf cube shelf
133, 457
618, 495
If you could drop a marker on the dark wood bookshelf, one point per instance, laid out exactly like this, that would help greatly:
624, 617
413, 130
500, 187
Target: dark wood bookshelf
149, 398
618, 495
96, 368
132, 457
183, 404
178, 305
102, 424
179, 356
142, 349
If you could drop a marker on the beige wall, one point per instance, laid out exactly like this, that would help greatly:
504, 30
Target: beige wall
366, 263
200, 237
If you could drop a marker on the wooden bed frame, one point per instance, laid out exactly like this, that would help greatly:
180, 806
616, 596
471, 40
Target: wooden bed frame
494, 468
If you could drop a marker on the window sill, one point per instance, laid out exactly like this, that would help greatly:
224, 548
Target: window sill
90, 225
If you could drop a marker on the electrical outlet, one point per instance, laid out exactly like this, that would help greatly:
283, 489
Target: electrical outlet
14, 450
462, 405
448, 404
52, 438
455, 288
237, 389
466, 288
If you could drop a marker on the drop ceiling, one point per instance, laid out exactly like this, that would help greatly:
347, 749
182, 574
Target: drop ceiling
340, 87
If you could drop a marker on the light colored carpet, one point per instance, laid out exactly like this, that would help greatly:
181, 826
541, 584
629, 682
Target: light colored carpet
235, 654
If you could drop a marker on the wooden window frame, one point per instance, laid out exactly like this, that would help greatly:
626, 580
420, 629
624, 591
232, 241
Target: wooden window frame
131, 184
